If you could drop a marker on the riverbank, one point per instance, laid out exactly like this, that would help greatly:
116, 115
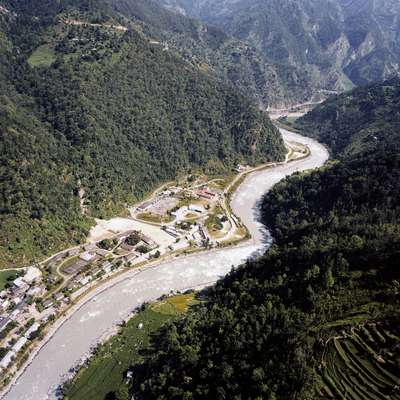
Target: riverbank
102, 310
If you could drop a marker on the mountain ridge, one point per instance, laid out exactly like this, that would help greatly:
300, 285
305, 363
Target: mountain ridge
103, 110
340, 44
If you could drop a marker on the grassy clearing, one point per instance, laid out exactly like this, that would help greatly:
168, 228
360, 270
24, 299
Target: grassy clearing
222, 183
106, 372
175, 305
6, 276
213, 223
43, 56
154, 218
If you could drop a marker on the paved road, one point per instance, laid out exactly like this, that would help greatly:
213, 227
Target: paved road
100, 314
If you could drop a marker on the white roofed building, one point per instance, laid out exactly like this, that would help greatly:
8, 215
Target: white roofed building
7, 359
20, 344
32, 274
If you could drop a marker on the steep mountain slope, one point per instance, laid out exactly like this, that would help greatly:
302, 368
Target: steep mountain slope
367, 118
220, 55
339, 43
316, 317
89, 104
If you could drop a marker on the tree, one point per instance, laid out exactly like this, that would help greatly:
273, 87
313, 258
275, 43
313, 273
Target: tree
122, 393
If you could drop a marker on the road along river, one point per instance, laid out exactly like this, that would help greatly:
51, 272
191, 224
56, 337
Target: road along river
102, 309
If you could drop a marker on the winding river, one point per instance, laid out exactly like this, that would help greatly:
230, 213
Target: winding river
102, 309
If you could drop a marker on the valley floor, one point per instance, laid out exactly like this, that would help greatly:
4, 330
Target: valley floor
89, 321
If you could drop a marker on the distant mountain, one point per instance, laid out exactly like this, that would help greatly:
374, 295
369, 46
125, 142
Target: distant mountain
91, 105
337, 43
317, 317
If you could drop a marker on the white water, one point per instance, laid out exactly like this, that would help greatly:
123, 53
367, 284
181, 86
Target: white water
108, 306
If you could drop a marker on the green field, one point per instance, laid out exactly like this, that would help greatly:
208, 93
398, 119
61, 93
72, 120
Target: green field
43, 56
362, 365
106, 372
5, 276
154, 218
175, 305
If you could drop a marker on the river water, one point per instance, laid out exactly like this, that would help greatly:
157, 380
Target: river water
108, 306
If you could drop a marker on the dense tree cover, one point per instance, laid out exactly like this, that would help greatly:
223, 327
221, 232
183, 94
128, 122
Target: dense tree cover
99, 109
333, 265
221, 55
366, 118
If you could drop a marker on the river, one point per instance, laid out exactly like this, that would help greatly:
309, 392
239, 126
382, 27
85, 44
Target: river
105, 307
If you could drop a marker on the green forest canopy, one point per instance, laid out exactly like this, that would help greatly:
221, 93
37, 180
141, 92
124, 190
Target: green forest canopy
104, 110
334, 266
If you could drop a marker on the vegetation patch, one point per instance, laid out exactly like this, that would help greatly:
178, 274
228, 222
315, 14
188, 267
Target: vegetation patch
175, 305
362, 364
7, 277
43, 56
154, 218
105, 374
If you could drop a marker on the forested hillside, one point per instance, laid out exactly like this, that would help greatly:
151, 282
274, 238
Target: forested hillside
90, 105
318, 315
335, 44
223, 56
367, 118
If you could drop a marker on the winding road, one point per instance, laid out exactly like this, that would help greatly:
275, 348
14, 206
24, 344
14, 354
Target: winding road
101, 310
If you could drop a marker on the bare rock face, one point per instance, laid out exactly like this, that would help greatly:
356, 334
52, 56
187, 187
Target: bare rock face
337, 43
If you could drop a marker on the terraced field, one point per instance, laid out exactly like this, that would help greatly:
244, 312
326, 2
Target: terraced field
363, 364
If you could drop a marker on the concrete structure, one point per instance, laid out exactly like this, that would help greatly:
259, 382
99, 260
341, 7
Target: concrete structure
20, 283
205, 193
32, 274
35, 326
20, 344
17, 300
149, 241
46, 314
87, 256
36, 291
76, 267
85, 280
129, 258
180, 213
7, 359
127, 247
102, 252
58, 296
96, 271
144, 206
90, 246
48, 303
172, 231
73, 252
4, 321
197, 208
107, 266
5, 304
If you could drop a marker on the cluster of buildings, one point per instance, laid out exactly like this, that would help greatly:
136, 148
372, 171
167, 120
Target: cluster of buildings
185, 211
96, 263
17, 323
169, 198
195, 233
31, 299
